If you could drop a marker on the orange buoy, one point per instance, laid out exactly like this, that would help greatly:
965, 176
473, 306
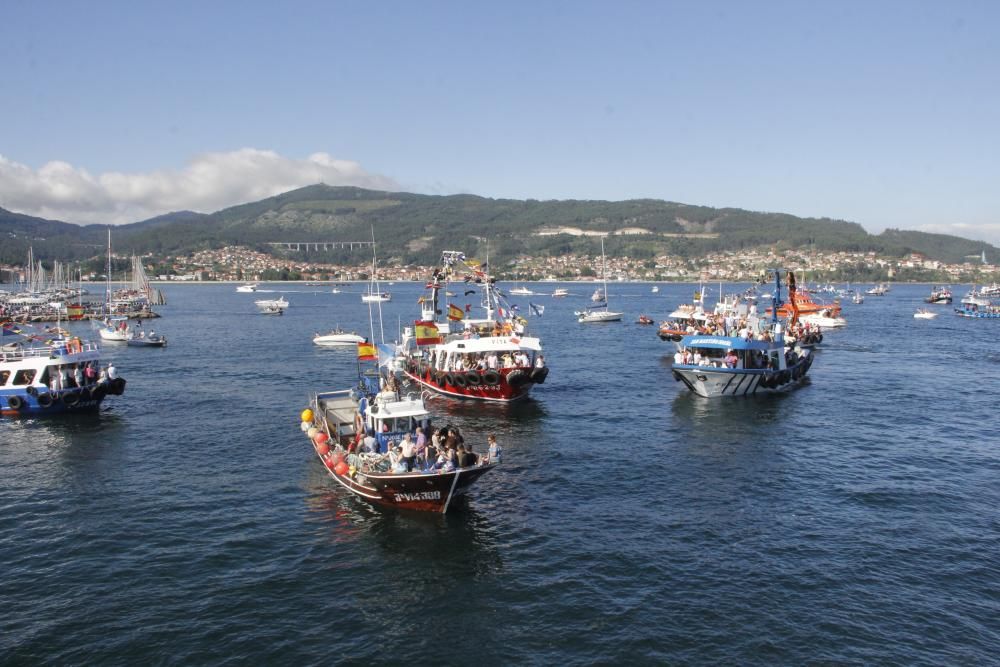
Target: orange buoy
341, 468
322, 448
321, 438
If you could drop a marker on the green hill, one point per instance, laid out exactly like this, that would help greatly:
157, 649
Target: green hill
412, 228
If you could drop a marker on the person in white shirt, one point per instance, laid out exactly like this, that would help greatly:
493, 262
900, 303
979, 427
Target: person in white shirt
112, 371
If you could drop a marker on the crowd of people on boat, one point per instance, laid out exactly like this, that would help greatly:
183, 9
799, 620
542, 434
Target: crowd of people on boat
488, 361
444, 451
58, 377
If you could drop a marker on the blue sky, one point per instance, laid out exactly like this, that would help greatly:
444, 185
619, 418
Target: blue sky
883, 113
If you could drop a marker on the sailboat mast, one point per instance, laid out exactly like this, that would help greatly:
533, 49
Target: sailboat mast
604, 276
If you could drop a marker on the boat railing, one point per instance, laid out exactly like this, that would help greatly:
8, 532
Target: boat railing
60, 350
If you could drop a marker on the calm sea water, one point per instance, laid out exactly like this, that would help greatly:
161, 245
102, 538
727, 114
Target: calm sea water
853, 520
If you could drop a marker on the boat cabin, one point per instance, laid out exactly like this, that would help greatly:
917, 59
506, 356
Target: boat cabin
729, 352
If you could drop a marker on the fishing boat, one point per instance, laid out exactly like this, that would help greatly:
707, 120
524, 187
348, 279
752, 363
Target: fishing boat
600, 311
38, 380
336, 423
375, 294
939, 295
754, 361
973, 307
924, 314
249, 287
272, 306
338, 338
489, 358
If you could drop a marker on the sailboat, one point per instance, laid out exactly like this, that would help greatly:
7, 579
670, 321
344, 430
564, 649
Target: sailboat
113, 328
599, 311
374, 293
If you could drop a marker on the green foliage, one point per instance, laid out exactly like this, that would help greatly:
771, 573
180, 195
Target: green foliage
414, 229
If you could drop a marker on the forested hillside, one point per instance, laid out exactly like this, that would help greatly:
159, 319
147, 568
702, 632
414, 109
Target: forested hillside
411, 228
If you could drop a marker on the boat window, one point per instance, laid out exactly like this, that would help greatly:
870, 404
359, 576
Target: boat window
24, 376
4, 376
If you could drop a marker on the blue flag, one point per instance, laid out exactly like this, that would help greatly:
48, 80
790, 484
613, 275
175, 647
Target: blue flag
536, 309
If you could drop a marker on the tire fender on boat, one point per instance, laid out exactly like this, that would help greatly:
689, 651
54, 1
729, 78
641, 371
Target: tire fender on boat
473, 379
44, 400
539, 374
516, 378
71, 398
15, 402
449, 379
458, 379
491, 377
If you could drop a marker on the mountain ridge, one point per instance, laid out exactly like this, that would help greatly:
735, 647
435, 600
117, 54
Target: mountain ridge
511, 227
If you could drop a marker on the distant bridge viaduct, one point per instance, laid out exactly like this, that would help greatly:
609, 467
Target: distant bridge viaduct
320, 245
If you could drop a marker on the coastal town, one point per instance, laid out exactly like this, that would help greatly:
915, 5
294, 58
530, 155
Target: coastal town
240, 263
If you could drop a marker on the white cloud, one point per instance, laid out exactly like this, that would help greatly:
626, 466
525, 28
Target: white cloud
211, 181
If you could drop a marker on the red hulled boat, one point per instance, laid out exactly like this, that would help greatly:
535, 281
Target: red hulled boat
490, 358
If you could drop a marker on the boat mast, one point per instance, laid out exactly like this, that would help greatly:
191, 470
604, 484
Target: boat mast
604, 276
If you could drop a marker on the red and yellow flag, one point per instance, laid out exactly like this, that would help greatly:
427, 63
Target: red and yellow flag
426, 333
367, 352
455, 313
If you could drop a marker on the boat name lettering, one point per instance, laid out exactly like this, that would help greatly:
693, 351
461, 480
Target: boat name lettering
419, 495
710, 341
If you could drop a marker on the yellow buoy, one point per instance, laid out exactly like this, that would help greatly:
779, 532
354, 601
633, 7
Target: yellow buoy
307, 415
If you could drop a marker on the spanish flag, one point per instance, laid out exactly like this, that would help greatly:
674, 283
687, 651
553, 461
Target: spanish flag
426, 333
366, 352
455, 313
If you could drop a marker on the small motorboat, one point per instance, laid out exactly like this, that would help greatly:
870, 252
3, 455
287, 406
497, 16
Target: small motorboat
337, 338
656, 288
252, 287
142, 339
559, 291
272, 306
924, 314
645, 319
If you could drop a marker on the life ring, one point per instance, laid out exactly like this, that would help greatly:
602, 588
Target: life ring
71, 398
473, 379
491, 377
44, 400
448, 379
458, 379
15, 402
539, 374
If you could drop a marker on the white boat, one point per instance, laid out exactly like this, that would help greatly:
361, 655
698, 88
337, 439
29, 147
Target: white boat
599, 312
374, 293
879, 290
990, 290
859, 298
597, 296
521, 291
141, 339
250, 287
114, 329
824, 319
924, 314
335, 290
558, 292
338, 338
272, 306
656, 288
